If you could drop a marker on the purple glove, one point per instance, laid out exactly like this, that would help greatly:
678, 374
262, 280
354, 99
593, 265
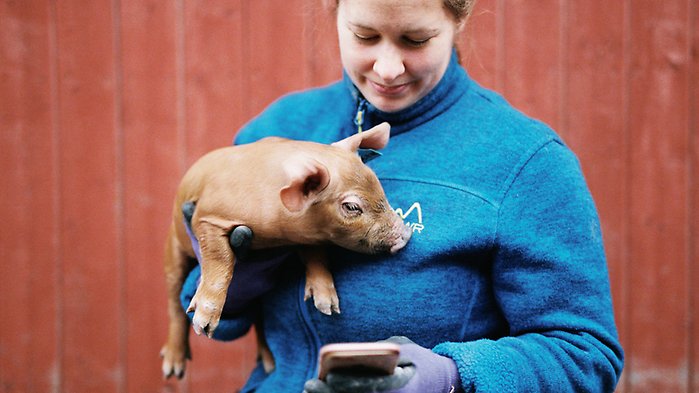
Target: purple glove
255, 272
419, 371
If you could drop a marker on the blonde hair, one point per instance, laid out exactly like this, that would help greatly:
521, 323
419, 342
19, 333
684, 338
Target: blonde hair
460, 9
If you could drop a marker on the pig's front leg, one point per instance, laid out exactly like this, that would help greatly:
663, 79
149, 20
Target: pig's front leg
217, 262
319, 280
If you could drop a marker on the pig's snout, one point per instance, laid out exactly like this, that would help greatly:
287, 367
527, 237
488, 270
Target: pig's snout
390, 237
402, 234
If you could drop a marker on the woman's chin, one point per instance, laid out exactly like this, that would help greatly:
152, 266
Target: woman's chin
390, 104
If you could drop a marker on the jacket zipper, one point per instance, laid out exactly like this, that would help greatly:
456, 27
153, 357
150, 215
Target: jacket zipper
312, 334
359, 117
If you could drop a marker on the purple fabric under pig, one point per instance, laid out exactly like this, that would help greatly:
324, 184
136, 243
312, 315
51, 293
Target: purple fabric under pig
252, 277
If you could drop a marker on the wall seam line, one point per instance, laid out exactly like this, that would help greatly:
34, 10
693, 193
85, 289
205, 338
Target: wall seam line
118, 79
627, 182
691, 196
57, 377
564, 62
500, 56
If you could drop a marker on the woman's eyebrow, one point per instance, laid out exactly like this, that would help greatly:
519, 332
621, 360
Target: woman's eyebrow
360, 26
422, 31
426, 31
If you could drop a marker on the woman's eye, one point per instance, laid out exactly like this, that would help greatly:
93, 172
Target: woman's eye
415, 42
365, 38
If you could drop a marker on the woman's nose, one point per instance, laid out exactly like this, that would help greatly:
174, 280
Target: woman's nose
389, 64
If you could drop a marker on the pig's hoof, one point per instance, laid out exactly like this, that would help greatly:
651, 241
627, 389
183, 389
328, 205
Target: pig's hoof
206, 316
324, 297
174, 361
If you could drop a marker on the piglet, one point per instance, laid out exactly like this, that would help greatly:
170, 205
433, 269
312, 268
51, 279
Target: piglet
289, 193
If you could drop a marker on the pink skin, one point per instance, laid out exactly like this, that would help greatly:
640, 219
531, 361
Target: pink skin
402, 233
395, 51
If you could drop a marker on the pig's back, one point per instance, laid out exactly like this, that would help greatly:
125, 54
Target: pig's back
244, 175
241, 163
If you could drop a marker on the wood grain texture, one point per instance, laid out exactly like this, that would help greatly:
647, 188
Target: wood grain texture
595, 99
92, 339
29, 354
149, 168
658, 113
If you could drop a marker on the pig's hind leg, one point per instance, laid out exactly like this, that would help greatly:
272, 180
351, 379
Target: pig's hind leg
319, 281
176, 350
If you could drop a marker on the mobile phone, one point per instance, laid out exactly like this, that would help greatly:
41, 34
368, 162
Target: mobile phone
376, 357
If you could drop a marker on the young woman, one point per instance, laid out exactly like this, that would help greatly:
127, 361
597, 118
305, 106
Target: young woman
503, 286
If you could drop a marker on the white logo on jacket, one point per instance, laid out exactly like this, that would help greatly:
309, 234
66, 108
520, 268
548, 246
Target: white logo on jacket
415, 226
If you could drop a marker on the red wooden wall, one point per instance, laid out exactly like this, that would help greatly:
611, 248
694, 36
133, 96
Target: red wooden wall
103, 104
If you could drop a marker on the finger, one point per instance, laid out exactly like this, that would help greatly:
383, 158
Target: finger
316, 386
404, 361
240, 240
352, 382
398, 340
188, 212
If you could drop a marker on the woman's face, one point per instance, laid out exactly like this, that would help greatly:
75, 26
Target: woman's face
395, 51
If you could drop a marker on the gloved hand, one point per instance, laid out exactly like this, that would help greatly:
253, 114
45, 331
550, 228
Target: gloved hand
255, 272
419, 370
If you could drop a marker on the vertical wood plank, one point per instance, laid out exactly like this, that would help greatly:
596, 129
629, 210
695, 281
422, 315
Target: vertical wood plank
532, 58
658, 341
216, 106
214, 72
321, 51
596, 99
693, 217
151, 173
275, 59
478, 44
28, 341
91, 289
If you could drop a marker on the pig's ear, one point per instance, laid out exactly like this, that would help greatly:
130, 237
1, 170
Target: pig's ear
306, 178
373, 138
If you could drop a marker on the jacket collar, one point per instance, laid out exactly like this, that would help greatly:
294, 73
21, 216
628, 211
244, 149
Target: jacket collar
450, 88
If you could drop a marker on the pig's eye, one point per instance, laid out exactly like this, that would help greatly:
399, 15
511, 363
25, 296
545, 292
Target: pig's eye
352, 208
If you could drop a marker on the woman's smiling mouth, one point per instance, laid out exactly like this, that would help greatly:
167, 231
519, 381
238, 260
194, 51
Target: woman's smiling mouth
389, 90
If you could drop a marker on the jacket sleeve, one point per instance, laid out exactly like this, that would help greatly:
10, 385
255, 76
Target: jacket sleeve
551, 282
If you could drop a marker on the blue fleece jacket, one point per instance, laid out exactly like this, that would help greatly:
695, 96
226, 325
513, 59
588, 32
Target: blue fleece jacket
505, 272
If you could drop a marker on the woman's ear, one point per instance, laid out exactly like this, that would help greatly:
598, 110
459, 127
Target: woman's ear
306, 178
373, 138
